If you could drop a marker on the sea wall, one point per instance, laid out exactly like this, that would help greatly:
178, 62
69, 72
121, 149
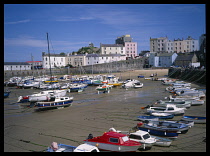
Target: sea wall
188, 74
120, 66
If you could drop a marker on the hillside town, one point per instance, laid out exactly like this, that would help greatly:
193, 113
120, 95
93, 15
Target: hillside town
163, 52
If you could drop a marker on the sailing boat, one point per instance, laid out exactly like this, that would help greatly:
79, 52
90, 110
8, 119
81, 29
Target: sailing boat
54, 101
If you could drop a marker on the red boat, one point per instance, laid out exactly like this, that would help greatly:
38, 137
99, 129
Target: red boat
113, 141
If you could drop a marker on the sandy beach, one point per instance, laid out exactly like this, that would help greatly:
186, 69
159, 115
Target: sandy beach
27, 130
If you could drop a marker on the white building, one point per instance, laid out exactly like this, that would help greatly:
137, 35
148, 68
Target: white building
112, 49
92, 59
17, 66
162, 59
56, 60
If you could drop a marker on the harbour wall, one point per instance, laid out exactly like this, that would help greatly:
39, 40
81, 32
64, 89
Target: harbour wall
190, 75
120, 66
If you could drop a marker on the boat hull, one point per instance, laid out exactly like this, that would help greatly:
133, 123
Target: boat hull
171, 135
113, 148
196, 119
52, 104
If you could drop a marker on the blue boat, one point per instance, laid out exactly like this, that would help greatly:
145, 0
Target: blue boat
56, 103
196, 119
161, 128
152, 117
6, 94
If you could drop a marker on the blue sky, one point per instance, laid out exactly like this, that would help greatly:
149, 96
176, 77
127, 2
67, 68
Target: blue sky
72, 26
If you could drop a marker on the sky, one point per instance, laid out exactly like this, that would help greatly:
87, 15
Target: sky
72, 26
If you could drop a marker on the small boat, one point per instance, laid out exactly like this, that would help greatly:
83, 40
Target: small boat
138, 85
140, 136
55, 103
143, 137
147, 118
196, 119
162, 115
77, 87
169, 108
104, 88
113, 141
140, 76
153, 130
6, 94
45, 95
160, 141
129, 83
179, 104
68, 148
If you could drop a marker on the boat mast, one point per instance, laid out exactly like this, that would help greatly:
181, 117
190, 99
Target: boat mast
48, 47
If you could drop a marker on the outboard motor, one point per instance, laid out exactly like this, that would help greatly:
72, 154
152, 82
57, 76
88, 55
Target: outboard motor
90, 136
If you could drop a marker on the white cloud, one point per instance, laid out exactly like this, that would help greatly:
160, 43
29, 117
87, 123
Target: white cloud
17, 22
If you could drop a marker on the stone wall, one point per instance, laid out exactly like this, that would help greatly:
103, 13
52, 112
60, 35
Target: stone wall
190, 75
120, 66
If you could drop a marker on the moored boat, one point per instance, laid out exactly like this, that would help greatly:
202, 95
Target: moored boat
57, 102
196, 119
159, 132
169, 108
68, 148
113, 141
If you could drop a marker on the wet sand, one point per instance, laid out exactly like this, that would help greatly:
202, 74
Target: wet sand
28, 130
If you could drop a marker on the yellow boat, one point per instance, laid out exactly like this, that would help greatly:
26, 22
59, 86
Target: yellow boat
53, 81
115, 84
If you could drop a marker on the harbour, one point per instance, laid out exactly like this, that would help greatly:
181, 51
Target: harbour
28, 130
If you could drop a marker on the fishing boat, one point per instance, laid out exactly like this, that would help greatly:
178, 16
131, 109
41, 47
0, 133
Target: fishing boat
55, 147
179, 104
169, 108
138, 85
45, 95
162, 115
55, 103
167, 126
6, 94
77, 87
104, 88
129, 83
113, 141
196, 119
143, 137
159, 132
147, 118
155, 117
140, 136
194, 101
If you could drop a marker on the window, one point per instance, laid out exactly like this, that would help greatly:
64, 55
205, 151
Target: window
114, 140
132, 136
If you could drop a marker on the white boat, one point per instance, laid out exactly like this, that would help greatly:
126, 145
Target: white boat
129, 83
169, 108
68, 148
194, 101
179, 104
113, 141
143, 137
55, 103
45, 95
138, 85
